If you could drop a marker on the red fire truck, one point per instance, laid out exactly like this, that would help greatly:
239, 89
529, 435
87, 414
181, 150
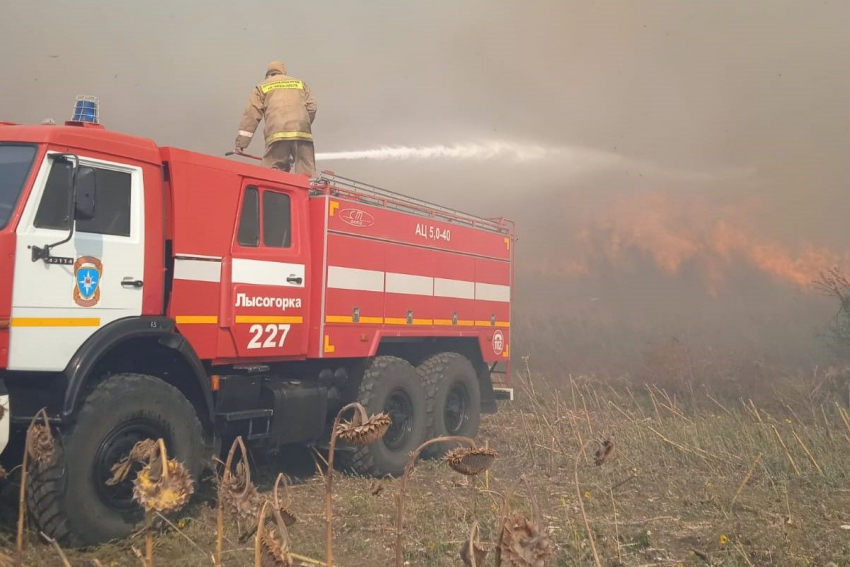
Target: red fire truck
151, 291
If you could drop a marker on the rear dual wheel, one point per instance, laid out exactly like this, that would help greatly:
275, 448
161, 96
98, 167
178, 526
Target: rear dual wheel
454, 399
440, 397
391, 385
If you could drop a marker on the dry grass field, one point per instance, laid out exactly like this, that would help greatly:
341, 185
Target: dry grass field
695, 478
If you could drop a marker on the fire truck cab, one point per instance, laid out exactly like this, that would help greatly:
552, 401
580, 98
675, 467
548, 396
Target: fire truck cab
151, 292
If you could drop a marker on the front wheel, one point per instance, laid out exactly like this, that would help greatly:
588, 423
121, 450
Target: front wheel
69, 498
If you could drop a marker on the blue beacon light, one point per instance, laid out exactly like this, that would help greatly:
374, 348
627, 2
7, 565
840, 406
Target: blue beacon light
86, 109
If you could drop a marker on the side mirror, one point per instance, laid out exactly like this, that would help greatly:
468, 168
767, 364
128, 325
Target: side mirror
85, 190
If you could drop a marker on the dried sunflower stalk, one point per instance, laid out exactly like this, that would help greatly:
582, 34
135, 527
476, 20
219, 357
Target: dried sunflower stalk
363, 430
282, 507
239, 495
377, 486
472, 553
470, 461
272, 549
140, 453
604, 451
275, 552
41, 446
163, 485
523, 543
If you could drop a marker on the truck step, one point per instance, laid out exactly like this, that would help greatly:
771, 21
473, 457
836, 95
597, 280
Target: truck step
264, 415
245, 414
503, 393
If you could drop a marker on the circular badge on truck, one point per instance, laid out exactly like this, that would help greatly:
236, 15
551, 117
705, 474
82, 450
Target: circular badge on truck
498, 342
87, 273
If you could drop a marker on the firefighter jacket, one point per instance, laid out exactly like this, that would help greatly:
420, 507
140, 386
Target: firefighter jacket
285, 103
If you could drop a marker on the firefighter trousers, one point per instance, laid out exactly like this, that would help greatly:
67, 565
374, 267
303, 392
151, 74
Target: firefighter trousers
278, 155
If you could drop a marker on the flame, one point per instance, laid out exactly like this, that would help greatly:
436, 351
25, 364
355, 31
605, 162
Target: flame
683, 233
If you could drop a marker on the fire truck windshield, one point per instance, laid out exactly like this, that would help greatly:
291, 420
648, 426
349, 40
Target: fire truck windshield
15, 164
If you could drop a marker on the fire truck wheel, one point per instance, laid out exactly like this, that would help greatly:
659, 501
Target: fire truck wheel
69, 498
391, 385
455, 397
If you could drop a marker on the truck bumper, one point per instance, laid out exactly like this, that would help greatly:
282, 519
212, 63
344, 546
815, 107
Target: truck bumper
5, 416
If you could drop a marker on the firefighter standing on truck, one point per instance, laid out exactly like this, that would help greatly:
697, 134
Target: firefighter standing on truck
288, 108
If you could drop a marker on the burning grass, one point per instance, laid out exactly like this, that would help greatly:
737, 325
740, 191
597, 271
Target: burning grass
682, 481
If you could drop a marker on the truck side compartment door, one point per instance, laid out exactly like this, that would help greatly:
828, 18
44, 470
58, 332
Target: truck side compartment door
269, 273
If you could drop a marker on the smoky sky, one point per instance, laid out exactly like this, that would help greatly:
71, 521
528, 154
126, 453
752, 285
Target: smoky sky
741, 105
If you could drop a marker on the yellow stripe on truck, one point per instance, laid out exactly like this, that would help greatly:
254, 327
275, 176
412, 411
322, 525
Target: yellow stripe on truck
294, 84
197, 319
350, 319
503, 324
55, 322
450, 323
213, 319
269, 319
403, 321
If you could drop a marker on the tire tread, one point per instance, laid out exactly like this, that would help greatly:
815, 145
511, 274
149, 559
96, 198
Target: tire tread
360, 460
45, 490
432, 372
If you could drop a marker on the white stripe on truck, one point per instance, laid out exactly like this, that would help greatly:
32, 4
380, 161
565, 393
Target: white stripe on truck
261, 272
197, 269
492, 292
410, 285
191, 267
392, 282
355, 279
456, 289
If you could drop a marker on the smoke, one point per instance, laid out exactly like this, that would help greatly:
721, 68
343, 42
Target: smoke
571, 159
680, 163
